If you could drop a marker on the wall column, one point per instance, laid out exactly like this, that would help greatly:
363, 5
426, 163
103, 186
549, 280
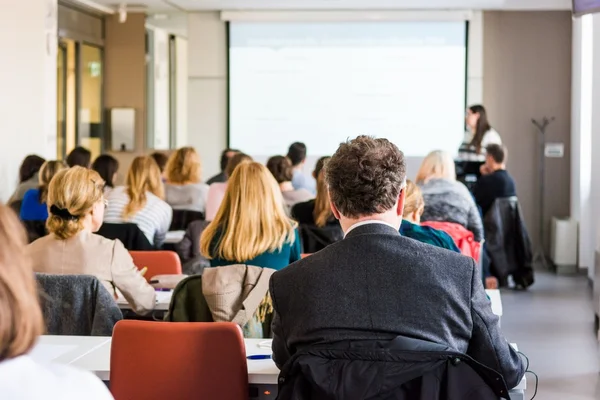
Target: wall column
28, 43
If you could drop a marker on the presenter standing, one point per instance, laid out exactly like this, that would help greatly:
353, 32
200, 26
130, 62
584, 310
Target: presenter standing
479, 133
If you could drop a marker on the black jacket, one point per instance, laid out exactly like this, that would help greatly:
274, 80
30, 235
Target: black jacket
129, 234
400, 369
507, 242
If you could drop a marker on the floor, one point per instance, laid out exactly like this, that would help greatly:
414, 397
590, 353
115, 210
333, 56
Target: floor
553, 324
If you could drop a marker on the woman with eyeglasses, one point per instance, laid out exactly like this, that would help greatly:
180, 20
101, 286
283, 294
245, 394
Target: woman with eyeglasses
76, 208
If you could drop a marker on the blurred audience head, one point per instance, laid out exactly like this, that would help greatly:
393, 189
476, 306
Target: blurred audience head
184, 167
79, 156
236, 160
161, 160
297, 153
144, 176
75, 202
29, 167
47, 172
106, 166
495, 156
226, 156
251, 220
281, 168
414, 204
365, 178
322, 212
437, 165
21, 320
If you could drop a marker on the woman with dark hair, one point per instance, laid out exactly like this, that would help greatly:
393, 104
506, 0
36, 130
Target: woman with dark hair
28, 176
34, 206
161, 160
79, 156
106, 166
282, 170
480, 133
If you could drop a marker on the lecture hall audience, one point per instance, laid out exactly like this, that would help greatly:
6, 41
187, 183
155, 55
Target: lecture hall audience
79, 156
216, 191
251, 226
446, 199
222, 176
183, 187
411, 227
34, 206
107, 167
21, 323
28, 177
297, 155
377, 289
141, 201
76, 202
282, 170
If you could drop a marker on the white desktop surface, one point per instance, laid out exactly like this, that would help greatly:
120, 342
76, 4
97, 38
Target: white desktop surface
93, 354
163, 300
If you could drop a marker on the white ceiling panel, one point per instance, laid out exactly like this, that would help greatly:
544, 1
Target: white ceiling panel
201, 5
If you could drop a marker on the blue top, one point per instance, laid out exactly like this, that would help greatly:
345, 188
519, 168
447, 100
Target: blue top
302, 181
426, 234
31, 208
291, 252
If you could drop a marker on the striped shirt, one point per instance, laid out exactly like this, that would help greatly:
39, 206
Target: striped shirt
154, 219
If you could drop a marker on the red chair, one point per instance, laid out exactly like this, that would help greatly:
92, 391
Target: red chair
304, 255
185, 360
157, 262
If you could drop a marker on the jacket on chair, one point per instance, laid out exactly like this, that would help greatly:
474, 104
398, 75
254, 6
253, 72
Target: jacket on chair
508, 243
400, 369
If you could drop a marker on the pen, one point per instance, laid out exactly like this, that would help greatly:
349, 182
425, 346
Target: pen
259, 357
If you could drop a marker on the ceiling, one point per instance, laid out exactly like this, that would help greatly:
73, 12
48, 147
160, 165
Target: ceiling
153, 6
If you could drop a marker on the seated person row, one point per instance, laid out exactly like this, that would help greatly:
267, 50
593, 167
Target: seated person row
33, 207
446, 199
216, 191
183, 187
76, 203
141, 202
21, 377
251, 226
375, 286
282, 170
28, 177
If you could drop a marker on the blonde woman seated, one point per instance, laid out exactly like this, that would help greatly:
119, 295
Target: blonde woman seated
446, 199
251, 226
76, 204
414, 205
141, 201
283, 172
21, 376
183, 189
216, 191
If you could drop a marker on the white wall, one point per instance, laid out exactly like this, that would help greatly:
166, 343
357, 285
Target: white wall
181, 65
28, 45
207, 88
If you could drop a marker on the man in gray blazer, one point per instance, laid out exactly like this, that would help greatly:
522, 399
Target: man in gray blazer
376, 284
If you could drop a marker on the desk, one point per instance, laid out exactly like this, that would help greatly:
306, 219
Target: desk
174, 237
163, 300
93, 354
496, 300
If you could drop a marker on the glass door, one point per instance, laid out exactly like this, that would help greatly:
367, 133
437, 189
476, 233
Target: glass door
90, 108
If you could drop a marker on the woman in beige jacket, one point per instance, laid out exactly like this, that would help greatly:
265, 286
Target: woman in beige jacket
76, 209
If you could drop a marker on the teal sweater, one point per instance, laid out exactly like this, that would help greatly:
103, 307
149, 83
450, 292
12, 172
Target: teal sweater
291, 252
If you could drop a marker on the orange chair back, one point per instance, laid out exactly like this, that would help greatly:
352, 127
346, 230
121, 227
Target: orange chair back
183, 360
157, 262
304, 255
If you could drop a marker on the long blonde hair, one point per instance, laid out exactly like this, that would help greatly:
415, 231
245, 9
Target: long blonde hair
71, 196
251, 220
183, 167
21, 320
143, 176
47, 172
322, 212
438, 164
413, 199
